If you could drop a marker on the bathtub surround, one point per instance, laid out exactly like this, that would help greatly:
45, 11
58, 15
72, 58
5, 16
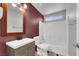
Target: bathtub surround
31, 26
50, 37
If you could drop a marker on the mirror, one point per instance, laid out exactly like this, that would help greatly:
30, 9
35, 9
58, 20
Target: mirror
1, 12
14, 20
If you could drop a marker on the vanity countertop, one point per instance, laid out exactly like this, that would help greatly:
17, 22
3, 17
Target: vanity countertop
18, 43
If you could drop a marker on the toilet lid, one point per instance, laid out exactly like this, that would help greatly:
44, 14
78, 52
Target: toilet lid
43, 46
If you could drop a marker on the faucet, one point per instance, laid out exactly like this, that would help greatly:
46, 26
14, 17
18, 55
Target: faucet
18, 37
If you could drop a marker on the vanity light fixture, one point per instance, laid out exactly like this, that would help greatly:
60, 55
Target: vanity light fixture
21, 7
1, 12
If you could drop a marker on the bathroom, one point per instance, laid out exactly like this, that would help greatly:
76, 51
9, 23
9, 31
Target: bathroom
50, 28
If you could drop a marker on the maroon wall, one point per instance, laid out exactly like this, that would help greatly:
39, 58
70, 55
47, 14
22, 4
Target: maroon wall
32, 23
33, 18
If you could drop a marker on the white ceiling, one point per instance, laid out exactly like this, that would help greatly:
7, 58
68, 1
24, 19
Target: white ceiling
48, 8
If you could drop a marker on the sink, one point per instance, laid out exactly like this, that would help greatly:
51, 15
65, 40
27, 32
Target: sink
18, 43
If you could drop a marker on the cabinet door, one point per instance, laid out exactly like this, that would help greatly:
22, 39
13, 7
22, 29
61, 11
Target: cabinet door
22, 51
31, 49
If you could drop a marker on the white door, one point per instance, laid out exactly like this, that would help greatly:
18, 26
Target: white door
77, 41
71, 23
72, 38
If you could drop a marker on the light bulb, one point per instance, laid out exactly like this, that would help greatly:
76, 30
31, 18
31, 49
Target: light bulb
21, 9
14, 5
25, 6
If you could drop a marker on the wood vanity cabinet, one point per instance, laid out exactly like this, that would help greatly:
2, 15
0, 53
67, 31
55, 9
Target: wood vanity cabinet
26, 50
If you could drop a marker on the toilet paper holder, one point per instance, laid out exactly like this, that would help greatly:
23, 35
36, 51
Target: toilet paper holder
76, 45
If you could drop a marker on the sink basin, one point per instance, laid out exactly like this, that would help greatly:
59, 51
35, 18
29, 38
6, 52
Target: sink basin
18, 43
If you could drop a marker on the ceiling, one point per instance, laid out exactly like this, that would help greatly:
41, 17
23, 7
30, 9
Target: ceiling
48, 8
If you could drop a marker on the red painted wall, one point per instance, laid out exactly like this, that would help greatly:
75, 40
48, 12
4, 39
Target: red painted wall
33, 18
32, 26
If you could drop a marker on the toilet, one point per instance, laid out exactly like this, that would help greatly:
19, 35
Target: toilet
42, 47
